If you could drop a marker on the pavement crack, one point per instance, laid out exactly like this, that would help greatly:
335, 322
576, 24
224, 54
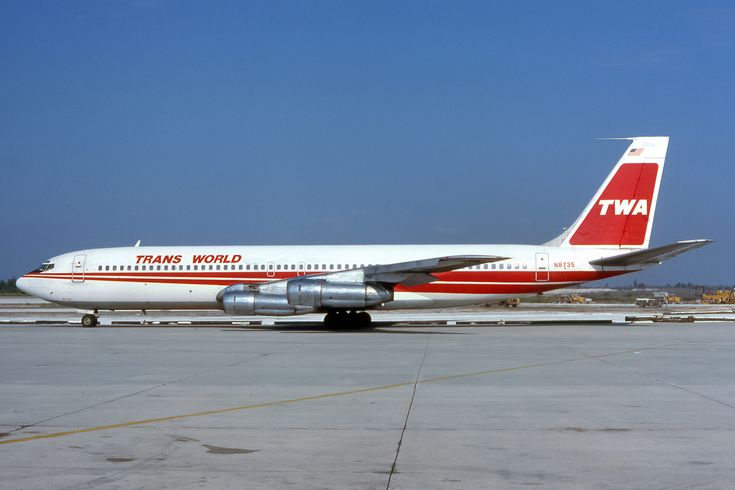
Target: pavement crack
408, 414
139, 392
668, 383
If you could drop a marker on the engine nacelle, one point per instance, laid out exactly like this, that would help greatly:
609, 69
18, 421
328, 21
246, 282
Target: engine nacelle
239, 302
319, 293
302, 295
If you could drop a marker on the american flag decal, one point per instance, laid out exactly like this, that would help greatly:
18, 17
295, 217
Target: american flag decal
635, 152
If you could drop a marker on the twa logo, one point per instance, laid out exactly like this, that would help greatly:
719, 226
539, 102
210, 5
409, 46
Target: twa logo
624, 207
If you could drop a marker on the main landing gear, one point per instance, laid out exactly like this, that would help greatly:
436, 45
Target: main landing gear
89, 320
345, 319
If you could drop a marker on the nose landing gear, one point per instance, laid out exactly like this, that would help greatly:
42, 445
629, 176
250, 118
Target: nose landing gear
89, 320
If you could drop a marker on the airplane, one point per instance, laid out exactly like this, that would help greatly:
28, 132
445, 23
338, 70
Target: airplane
611, 237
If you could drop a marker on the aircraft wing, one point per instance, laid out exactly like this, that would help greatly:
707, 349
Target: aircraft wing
420, 271
651, 255
410, 273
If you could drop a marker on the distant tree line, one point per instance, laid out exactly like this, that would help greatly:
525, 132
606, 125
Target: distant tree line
678, 285
8, 287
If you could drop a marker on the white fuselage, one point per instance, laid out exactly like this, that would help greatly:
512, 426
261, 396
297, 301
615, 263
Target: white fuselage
191, 277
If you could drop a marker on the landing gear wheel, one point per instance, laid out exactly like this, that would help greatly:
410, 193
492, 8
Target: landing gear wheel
89, 321
330, 319
337, 319
363, 319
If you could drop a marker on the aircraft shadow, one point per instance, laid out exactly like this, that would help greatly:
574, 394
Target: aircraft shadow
318, 327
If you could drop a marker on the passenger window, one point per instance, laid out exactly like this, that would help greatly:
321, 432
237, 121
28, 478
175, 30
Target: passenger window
165, 267
196, 267
217, 266
99, 268
136, 267
518, 266
293, 267
114, 267
501, 266
331, 267
308, 266
278, 267
301, 267
525, 266
485, 266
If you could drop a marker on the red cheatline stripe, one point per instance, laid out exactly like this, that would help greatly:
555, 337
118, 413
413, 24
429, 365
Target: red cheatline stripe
467, 276
489, 286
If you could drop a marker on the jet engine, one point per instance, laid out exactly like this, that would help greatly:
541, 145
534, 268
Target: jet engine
301, 295
257, 303
320, 293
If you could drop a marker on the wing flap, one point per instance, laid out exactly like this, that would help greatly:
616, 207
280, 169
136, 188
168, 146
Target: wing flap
651, 255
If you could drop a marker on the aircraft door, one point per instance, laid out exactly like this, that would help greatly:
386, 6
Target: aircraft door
77, 268
542, 266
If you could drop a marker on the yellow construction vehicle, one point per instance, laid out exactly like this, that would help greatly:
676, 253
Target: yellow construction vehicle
574, 299
719, 297
660, 298
511, 302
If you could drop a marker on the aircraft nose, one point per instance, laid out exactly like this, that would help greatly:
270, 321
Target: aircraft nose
22, 284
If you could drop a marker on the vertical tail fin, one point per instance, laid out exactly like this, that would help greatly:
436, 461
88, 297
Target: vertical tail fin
621, 212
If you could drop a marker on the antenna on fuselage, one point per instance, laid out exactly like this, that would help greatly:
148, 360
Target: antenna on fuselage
137, 244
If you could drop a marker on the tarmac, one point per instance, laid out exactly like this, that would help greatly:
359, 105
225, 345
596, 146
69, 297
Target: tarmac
420, 406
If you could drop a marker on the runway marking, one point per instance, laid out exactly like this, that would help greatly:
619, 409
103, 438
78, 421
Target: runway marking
290, 401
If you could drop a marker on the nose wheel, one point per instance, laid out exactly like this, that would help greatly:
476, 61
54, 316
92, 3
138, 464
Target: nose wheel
89, 321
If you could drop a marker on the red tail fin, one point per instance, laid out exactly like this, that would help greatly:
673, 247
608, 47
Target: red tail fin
621, 213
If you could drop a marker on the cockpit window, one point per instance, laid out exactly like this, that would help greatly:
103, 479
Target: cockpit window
46, 266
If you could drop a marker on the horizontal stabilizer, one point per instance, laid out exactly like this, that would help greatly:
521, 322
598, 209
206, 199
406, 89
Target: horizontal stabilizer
651, 255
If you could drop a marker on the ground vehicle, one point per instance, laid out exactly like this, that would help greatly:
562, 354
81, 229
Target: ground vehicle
646, 302
574, 299
719, 297
660, 298
511, 302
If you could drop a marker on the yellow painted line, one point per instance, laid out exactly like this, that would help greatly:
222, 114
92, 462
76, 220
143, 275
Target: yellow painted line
169, 418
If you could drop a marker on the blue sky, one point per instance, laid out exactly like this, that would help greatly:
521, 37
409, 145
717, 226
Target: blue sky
357, 122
